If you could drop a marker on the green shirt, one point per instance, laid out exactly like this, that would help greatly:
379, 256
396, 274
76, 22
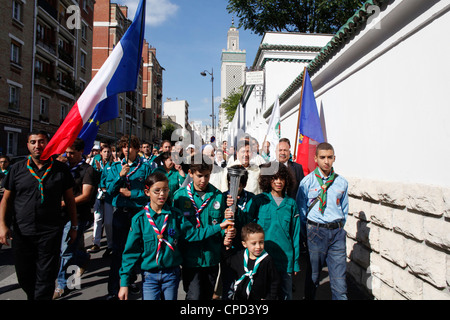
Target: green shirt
142, 241
205, 253
281, 226
137, 184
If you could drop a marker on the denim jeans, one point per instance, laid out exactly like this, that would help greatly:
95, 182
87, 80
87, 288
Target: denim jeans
327, 246
72, 254
161, 285
285, 292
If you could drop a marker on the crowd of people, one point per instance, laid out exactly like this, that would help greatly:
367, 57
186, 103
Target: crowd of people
167, 214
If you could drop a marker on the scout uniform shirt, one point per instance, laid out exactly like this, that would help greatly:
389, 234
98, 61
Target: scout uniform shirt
142, 242
281, 226
205, 253
337, 200
135, 181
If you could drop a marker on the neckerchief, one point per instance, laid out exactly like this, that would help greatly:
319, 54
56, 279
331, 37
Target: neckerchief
197, 211
324, 187
130, 173
242, 206
74, 168
249, 273
5, 172
40, 180
159, 234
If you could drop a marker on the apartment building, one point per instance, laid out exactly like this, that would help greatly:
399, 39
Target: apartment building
47, 46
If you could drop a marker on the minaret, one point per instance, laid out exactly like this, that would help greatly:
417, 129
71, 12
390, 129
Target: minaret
232, 74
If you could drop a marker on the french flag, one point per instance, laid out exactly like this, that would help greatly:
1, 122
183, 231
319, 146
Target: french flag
119, 73
310, 130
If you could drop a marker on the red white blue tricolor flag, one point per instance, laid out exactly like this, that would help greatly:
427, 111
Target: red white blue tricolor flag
310, 130
98, 102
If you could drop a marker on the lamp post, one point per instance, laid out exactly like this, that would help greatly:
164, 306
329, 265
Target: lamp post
212, 95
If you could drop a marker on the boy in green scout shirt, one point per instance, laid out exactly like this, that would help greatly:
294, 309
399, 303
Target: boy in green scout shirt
202, 204
153, 241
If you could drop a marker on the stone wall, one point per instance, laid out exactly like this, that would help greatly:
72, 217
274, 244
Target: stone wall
398, 241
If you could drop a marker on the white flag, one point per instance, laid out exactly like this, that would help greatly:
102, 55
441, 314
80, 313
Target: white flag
274, 130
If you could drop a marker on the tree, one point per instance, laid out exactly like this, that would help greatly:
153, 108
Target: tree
167, 129
309, 16
231, 103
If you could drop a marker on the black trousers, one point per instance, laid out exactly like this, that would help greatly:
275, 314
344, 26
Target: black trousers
198, 283
37, 261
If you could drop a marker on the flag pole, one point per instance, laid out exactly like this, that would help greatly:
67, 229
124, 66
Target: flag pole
135, 90
299, 114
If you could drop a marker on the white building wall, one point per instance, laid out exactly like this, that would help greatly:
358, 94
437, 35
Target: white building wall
384, 104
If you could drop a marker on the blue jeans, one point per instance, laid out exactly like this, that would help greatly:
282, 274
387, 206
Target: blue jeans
71, 254
327, 246
285, 292
161, 285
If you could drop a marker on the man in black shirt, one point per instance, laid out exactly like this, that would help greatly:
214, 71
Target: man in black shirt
32, 198
74, 254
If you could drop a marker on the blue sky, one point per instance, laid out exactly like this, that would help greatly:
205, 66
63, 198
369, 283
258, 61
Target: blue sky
189, 36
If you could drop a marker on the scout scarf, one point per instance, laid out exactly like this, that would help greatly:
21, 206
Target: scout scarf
324, 187
130, 173
159, 234
40, 180
249, 273
74, 168
197, 211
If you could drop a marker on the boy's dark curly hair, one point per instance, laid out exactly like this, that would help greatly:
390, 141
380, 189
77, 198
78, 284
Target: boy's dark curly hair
282, 173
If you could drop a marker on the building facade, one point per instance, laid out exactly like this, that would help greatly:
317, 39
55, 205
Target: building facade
48, 45
152, 96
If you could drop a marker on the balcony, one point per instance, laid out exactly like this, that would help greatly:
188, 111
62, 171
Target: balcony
49, 8
65, 56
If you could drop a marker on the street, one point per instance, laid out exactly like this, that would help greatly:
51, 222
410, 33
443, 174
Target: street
93, 283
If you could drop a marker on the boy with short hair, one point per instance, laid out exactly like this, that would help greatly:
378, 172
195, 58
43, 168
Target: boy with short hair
202, 204
323, 203
256, 277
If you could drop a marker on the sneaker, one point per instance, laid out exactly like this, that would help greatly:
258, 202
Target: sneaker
58, 293
95, 248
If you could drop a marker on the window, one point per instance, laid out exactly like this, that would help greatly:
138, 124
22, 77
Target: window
64, 112
11, 147
15, 53
14, 98
83, 60
84, 31
43, 109
17, 10
82, 85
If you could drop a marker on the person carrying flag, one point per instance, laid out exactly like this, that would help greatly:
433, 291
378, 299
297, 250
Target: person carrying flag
322, 199
125, 183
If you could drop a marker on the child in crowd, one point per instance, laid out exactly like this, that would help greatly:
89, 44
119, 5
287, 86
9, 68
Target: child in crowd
202, 205
174, 173
253, 269
154, 240
279, 217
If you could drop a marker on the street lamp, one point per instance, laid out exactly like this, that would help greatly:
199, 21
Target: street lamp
212, 95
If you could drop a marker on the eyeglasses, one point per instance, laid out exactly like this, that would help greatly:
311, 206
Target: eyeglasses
158, 191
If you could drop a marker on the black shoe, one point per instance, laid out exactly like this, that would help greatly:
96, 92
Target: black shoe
107, 252
134, 288
112, 297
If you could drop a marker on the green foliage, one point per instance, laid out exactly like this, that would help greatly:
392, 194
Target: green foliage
231, 103
167, 129
308, 16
